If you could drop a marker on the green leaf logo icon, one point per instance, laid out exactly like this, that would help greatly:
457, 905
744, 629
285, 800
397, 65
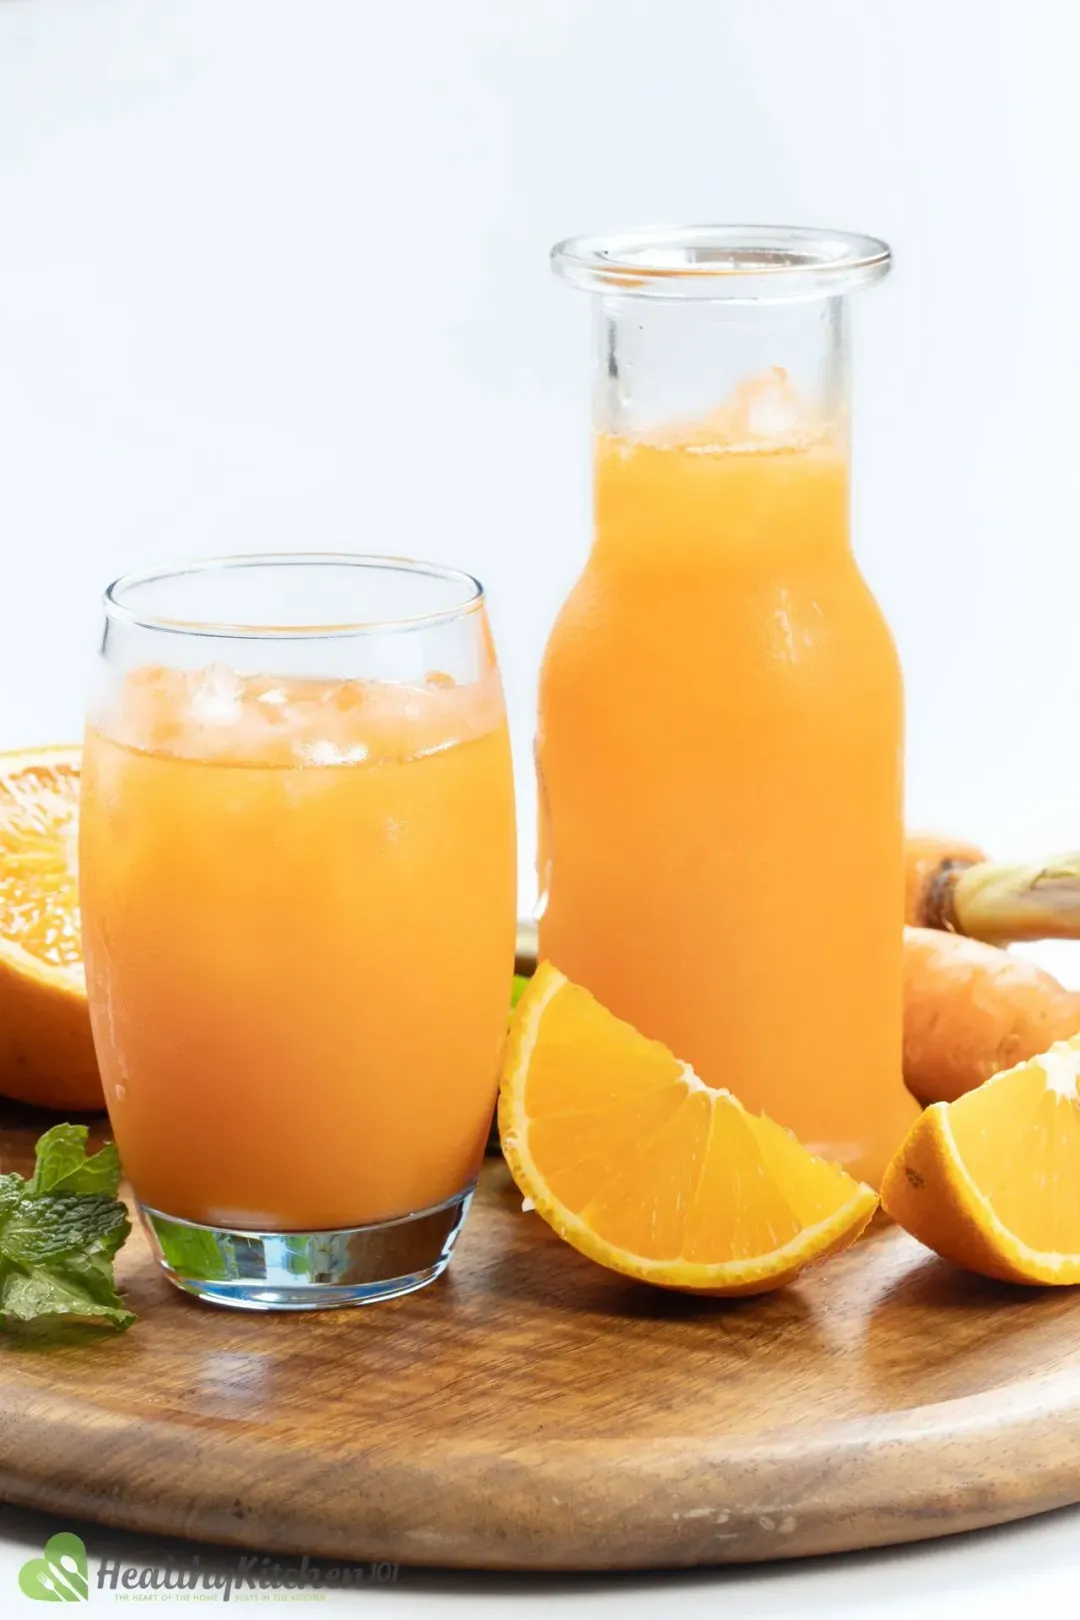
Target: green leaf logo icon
60, 1576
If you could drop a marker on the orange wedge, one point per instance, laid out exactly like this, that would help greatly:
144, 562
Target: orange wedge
992, 1181
46, 1050
644, 1168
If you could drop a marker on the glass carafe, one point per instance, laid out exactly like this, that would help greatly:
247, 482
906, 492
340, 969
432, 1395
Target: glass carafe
721, 714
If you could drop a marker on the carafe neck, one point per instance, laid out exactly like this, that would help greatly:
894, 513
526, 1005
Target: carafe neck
720, 374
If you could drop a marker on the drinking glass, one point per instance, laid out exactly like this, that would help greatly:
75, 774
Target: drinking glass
297, 881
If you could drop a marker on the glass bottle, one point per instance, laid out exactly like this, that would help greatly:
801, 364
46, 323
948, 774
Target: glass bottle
721, 717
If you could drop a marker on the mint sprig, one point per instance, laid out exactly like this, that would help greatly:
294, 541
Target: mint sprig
59, 1234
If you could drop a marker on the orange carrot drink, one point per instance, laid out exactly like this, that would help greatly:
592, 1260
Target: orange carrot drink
720, 742
298, 897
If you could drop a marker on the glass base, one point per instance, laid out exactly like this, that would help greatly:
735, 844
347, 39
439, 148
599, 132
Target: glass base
307, 1271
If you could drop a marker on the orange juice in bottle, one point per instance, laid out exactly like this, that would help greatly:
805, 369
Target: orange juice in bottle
720, 740
298, 891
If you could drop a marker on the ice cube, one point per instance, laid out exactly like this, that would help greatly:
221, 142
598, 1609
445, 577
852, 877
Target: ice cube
772, 409
215, 695
346, 697
320, 752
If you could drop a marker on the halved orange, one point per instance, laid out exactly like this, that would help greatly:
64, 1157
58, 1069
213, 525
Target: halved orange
644, 1168
46, 1050
992, 1180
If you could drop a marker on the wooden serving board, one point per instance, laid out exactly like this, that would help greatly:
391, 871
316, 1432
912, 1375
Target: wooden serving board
532, 1411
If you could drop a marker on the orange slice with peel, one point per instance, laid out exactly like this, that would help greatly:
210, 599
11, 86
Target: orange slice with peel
644, 1168
992, 1180
46, 1049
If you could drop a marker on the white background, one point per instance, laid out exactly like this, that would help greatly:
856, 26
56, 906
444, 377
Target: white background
273, 273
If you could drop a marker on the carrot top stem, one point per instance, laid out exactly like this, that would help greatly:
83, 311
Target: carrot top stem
998, 903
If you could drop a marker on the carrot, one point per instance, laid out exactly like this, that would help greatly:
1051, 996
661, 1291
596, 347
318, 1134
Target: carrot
971, 1010
954, 886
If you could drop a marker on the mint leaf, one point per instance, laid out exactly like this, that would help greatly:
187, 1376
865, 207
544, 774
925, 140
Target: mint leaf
94, 1274
59, 1232
62, 1164
44, 1229
29, 1296
12, 1188
517, 989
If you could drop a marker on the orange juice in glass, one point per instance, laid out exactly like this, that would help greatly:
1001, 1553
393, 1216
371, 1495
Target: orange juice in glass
297, 880
720, 741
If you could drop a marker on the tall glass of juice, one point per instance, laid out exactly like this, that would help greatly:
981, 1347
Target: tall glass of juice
721, 716
297, 881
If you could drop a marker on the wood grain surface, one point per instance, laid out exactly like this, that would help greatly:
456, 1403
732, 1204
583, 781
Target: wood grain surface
532, 1411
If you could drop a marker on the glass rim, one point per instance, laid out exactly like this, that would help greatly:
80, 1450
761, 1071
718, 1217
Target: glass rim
121, 612
728, 263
